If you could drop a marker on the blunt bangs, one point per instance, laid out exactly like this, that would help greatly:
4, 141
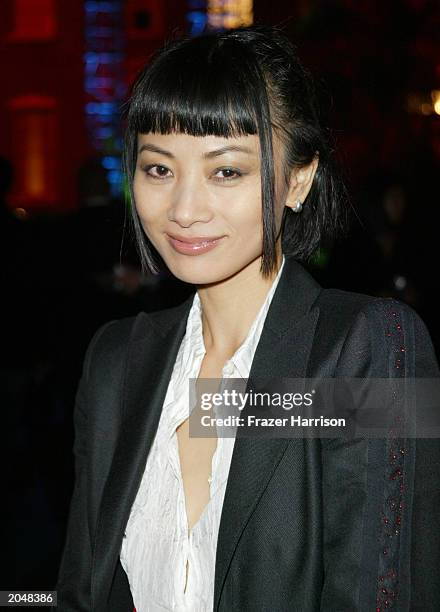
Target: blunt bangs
194, 90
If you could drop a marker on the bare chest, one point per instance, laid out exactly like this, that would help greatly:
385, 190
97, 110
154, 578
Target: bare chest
196, 455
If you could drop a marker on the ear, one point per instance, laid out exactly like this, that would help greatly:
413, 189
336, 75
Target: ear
301, 180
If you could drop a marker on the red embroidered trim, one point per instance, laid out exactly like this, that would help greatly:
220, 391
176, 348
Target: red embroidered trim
391, 517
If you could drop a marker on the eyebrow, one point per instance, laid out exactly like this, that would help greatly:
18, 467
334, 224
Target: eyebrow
208, 155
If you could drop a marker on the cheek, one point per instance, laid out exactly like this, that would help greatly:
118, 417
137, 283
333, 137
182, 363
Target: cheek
247, 216
248, 226
146, 206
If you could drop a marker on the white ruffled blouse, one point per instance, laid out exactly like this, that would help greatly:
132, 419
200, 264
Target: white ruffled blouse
156, 545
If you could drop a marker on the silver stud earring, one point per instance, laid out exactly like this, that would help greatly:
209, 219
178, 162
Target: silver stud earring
298, 206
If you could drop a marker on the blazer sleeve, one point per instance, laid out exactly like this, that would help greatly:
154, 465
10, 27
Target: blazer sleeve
381, 497
74, 576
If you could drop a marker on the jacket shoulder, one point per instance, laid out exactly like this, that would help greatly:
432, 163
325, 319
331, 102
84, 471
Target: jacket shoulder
338, 312
110, 341
359, 327
383, 330
344, 308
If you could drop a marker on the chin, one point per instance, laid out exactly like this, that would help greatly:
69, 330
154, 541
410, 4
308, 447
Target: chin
197, 275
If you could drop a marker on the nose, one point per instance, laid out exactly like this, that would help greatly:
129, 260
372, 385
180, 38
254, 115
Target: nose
189, 204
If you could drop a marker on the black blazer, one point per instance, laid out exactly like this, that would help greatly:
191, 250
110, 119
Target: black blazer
307, 524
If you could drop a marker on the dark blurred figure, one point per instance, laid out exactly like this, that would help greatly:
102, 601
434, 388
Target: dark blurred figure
390, 250
374, 257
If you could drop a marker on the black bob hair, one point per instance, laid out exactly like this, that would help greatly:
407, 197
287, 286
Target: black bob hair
243, 81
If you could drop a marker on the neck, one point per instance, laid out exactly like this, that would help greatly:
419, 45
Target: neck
229, 307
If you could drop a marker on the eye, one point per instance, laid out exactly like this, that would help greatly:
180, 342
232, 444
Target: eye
229, 172
160, 172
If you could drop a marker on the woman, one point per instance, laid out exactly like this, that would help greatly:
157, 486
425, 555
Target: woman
232, 187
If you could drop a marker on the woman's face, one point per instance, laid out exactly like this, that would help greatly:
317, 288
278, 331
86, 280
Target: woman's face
199, 202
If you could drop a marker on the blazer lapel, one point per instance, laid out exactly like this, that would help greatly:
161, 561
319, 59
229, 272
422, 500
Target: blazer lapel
152, 351
283, 351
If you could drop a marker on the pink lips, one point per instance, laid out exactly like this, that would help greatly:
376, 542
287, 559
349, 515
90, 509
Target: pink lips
193, 246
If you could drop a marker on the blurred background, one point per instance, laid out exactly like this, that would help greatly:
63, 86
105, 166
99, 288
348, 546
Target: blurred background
69, 265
